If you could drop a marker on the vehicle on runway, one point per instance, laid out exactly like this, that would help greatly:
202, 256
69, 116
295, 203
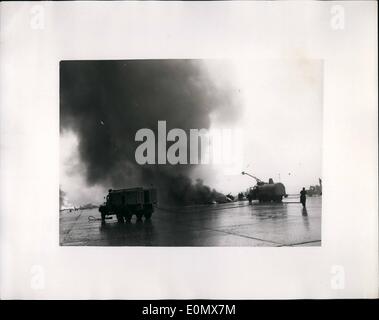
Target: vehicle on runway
124, 203
266, 191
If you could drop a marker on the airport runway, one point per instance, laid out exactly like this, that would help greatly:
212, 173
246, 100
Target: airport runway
231, 224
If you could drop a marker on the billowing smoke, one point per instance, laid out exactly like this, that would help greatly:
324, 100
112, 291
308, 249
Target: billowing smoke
106, 102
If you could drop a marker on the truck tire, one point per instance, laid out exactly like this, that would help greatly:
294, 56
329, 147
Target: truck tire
139, 216
120, 218
278, 199
147, 215
127, 215
103, 212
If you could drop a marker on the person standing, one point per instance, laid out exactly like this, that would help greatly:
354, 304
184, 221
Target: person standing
303, 197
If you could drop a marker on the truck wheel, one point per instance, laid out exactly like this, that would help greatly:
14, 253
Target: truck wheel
128, 218
139, 216
120, 218
148, 215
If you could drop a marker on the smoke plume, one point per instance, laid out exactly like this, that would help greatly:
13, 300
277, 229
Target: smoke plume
106, 102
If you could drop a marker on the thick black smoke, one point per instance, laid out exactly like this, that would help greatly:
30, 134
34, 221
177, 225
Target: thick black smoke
106, 102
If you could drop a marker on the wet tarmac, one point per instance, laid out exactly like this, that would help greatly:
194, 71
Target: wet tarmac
231, 224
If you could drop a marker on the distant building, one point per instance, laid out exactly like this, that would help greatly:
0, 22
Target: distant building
315, 190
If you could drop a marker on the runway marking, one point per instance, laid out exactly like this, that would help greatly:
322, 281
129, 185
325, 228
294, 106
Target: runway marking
243, 236
296, 244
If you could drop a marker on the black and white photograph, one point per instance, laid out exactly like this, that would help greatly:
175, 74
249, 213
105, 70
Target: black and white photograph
188, 152
191, 153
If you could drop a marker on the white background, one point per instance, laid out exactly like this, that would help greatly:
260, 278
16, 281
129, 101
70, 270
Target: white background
32, 263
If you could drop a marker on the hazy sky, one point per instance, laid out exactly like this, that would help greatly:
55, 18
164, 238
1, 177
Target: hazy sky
280, 114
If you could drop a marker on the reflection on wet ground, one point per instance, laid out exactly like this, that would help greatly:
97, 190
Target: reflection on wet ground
231, 224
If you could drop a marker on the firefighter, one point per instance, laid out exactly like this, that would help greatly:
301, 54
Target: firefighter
303, 197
